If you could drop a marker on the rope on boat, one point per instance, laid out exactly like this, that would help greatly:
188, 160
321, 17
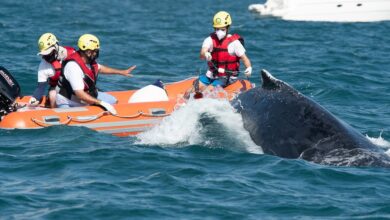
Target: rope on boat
85, 119
140, 113
44, 124
129, 116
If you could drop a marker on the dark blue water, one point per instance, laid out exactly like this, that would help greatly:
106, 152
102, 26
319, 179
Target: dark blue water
200, 164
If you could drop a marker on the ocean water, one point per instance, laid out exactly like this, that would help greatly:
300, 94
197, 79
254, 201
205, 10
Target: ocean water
199, 163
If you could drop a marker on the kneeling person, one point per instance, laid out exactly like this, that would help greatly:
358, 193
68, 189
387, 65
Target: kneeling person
223, 51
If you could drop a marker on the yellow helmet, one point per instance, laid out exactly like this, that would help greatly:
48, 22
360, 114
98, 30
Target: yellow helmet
222, 19
88, 42
46, 43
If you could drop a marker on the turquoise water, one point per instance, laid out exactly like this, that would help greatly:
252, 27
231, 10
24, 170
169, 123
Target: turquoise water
200, 164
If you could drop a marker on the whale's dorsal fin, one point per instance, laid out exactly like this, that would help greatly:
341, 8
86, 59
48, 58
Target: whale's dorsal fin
269, 82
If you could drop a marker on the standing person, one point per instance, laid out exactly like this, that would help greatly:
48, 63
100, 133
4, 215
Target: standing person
77, 83
49, 69
223, 51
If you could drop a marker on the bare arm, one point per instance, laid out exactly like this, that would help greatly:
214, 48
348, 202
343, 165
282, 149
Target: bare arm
202, 52
246, 61
82, 95
109, 70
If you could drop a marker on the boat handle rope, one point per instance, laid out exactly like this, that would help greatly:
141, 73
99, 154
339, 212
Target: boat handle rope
84, 119
69, 119
94, 117
141, 113
155, 115
44, 124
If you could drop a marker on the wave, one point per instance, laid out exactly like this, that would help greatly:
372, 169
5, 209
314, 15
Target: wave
209, 122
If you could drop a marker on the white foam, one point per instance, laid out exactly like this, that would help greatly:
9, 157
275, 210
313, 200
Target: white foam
184, 127
381, 142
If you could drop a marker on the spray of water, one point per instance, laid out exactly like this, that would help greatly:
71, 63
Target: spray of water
184, 126
381, 142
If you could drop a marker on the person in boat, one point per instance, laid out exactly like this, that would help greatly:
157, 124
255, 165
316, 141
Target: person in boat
77, 83
49, 69
223, 52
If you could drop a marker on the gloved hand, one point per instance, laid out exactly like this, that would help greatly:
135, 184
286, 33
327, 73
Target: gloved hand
208, 56
248, 71
33, 102
108, 107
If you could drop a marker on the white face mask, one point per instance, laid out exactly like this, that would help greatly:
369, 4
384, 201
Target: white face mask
220, 34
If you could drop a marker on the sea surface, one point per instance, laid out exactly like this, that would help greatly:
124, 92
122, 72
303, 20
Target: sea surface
199, 163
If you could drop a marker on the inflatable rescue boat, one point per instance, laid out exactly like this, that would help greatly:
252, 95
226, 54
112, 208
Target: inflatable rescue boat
137, 110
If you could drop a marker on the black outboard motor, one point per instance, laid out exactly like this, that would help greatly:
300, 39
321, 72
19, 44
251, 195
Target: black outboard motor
9, 91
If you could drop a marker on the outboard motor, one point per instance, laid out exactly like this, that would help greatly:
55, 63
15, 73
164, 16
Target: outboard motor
9, 91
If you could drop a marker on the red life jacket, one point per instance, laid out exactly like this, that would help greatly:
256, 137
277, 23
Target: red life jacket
221, 57
57, 67
90, 77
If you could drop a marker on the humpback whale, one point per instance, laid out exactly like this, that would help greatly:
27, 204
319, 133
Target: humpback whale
288, 124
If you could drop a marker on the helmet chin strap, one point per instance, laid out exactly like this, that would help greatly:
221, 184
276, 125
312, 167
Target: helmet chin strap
57, 49
97, 54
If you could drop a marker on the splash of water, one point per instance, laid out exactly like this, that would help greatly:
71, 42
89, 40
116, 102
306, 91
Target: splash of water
381, 142
183, 127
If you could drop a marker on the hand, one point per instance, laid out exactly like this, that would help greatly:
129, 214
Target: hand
208, 56
128, 71
248, 71
33, 102
108, 107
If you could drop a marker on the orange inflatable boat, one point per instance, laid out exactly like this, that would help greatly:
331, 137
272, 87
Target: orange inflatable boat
138, 110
